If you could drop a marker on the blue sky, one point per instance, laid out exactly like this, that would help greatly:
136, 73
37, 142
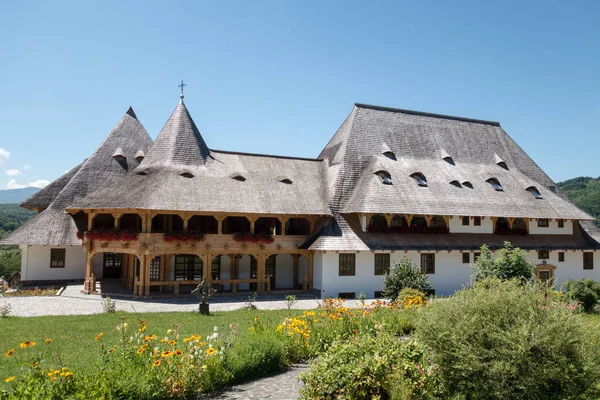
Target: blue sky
279, 77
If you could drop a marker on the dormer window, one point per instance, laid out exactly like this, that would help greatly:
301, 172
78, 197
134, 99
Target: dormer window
238, 178
495, 184
286, 181
534, 192
386, 151
456, 183
420, 179
385, 176
139, 156
467, 184
500, 162
446, 157
118, 154
186, 174
142, 173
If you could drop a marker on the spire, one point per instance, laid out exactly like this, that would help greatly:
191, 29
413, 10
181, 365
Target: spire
181, 85
178, 144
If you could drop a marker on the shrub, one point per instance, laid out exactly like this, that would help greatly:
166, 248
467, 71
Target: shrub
585, 291
511, 263
404, 274
499, 340
363, 367
255, 356
109, 306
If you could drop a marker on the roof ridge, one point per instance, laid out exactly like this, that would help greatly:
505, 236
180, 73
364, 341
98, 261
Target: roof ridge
265, 155
426, 114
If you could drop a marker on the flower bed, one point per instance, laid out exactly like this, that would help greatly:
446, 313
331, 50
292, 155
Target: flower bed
111, 235
253, 237
187, 236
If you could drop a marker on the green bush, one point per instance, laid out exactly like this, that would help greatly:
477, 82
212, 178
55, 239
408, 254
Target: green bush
501, 340
585, 291
255, 356
404, 274
511, 263
364, 367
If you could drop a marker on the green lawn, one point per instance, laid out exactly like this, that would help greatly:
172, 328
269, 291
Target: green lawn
74, 335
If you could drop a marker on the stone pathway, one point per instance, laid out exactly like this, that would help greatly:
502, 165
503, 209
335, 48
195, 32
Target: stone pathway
73, 302
285, 386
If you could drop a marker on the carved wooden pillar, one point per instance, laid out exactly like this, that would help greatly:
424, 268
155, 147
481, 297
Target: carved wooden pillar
220, 219
91, 216
186, 218
296, 258
409, 218
87, 286
428, 219
310, 257
260, 271
117, 217
282, 221
511, 221
388, 219
233, 271
206, 264
252, 220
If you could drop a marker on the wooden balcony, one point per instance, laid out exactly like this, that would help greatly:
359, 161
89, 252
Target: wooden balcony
154, 244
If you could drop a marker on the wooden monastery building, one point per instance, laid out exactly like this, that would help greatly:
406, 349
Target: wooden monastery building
156, 217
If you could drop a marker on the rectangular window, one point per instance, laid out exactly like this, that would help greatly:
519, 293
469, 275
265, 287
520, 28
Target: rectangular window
543, 254
346, 295
465, 221
543, 223
188, 268
544, 276
215, 268
466, 258
588, 260
382, 264
428, 263
561, 223
347, 264
57, 258
477, 221
561, 256
112, 260
155, 269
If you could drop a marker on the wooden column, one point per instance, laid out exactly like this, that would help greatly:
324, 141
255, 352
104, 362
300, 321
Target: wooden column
206, 263
428, 219
260, 272
296, 258
91, 216
282, 221
252, 223
147, 261
220, 219
310, 257
117, 217
88, 272
186, 218
234, 272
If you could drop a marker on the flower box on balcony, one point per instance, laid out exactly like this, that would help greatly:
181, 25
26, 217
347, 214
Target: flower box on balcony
253, 238
187, 236
111, 235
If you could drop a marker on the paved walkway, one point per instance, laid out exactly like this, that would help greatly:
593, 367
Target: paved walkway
73, 302
285, 386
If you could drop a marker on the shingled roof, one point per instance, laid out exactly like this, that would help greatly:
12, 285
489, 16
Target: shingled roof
54, 226
421, 143
43, 198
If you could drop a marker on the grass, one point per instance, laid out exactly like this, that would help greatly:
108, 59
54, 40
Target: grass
74, 335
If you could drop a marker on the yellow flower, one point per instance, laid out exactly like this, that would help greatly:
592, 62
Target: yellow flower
200, 344
53, 378
204, 367
48, 340
172, 342
140, 350
9, 353
178, 353
98, 336
156, 363
63, 369
9, 379
165, 353
142, 328
251, 328
142, 322
256, 318
24, 345
66, 374
211, 351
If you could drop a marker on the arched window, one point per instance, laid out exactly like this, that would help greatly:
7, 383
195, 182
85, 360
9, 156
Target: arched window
467, 184
534, 192
495, 184
419, 178
456, 183
385, 176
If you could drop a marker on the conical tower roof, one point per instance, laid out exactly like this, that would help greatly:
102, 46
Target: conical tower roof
179, 143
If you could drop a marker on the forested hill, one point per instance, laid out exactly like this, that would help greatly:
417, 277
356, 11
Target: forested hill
16, 195
11, 217
585, 193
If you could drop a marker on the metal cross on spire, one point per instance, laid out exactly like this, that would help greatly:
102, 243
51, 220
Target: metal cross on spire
181, 85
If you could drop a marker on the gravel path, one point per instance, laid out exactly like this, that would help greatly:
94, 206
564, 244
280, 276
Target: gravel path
285, 386
73, 302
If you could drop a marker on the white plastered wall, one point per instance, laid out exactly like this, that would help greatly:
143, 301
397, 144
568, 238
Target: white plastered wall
35, 263
456, 226
552, 228
451, 274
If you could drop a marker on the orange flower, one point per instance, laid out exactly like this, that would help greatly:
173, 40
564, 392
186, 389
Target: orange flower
24, 345
9, 379
98, 336
178, 352
211, 351
166, 354
9, 353
142, 322
142, 329
172, 342
48, 340
156, 363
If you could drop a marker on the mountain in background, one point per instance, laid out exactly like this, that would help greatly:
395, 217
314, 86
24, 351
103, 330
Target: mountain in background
16, 195
584, 192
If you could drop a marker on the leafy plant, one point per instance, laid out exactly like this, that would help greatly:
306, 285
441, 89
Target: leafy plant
290, 300
510, 263
404, 274
500, 340
109, 306
250, 302
5, 310
585, 291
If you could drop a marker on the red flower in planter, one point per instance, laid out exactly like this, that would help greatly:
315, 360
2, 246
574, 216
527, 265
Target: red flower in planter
111, 235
